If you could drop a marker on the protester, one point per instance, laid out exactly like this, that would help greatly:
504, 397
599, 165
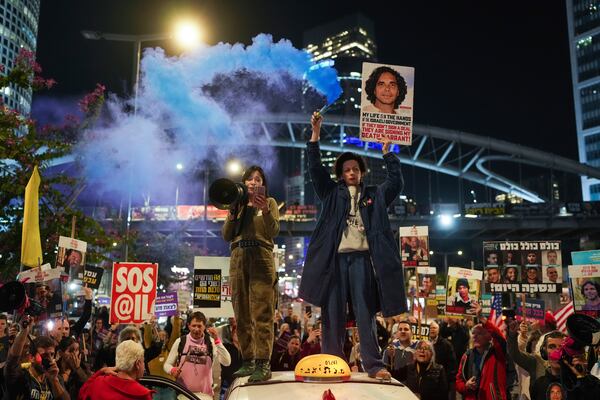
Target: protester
312, 345
400, 353
287, 360
156, 365
72, 370
41, 379
425, 377
352, 252
445, 356
123, 385
192, 356
251, 229
482, 371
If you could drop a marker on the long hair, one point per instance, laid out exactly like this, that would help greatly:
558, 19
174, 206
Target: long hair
371, 84
248, 172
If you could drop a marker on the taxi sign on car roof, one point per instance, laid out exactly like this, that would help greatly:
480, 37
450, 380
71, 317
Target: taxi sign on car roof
322, 367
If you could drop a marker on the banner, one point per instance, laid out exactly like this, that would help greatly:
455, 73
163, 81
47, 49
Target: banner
211, 304
386, 112
166, 304
133, 292
462, 290
585, 286
31, 243
71, 257
485, 209
523, 266
414, 245
92, 276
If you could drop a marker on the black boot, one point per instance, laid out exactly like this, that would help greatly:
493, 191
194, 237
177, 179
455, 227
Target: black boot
248, 367
262, 372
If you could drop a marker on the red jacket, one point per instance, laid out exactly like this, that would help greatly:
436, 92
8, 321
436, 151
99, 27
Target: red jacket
101, 386
492, 381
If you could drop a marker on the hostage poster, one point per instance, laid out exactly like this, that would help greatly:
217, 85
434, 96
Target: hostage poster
585, 286
71, 257
463, 290
386, 112
414, 246
523, 266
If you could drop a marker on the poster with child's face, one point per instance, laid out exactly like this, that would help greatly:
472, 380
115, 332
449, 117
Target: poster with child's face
463, 290
414, 246
71, 257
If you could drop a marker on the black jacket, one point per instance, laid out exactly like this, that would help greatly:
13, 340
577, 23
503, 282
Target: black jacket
445, 356
322, 257
430, 381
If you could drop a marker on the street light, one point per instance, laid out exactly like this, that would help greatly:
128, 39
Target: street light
187, 33
234, 167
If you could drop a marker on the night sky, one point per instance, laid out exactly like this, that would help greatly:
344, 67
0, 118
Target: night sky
497, 69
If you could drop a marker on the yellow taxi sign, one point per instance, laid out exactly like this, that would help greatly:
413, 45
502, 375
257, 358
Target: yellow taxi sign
322, 367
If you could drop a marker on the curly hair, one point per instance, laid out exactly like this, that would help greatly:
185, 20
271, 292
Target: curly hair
371, 84
347, 156
595, 284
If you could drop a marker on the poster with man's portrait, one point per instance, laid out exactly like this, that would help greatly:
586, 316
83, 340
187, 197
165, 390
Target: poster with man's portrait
71, 257
44, 289
386, 112
585, 286
463, 290
427, 282
414, 246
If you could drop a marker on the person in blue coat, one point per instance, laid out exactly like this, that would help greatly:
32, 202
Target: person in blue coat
353, 256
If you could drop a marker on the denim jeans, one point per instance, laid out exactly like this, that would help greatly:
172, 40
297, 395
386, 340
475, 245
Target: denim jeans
355, 282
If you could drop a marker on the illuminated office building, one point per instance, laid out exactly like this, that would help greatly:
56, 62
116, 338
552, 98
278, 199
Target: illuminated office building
583, 17
18, 29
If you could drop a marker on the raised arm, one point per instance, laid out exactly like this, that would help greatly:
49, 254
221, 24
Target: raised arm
319, 175
394, 181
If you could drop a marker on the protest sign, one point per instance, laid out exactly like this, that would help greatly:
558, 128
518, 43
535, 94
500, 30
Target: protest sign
534, 309
462, 290
585, 286
386, 112
414, 246
133, 292
216, 301
523, 266
103, 301
166, 304
426, 281
184, 300
44, 285
71, 257
92, 276
420, 334
486, 304
585, 257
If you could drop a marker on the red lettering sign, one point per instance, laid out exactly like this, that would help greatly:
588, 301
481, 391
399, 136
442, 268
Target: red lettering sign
133, 292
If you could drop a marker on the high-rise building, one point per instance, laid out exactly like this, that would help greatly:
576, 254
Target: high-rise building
18, 29
583, 18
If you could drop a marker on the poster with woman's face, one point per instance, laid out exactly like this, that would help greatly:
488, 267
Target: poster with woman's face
71, 257
585, 286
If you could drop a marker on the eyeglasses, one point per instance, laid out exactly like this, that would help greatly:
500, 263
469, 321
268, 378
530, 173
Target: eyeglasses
423, 349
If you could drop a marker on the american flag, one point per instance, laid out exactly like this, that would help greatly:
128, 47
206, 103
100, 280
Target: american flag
496, 312
561, 317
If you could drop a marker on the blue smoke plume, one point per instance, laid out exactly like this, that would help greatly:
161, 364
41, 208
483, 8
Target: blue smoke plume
178, 121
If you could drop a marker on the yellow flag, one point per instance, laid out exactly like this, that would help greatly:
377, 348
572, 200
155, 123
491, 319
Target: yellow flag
31, 244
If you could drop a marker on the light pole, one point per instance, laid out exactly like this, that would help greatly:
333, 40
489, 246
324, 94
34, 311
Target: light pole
186, 34
446, 254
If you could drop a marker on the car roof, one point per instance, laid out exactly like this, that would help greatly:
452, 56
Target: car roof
283, 384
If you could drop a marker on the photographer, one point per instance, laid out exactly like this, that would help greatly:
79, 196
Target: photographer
575, 377
41, 379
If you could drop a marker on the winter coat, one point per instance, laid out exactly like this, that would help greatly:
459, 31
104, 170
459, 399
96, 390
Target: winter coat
101, 386
431, 384
322, 257
493, 371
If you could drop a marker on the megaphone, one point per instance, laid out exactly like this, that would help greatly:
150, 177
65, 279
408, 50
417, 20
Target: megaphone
584, 329
14, 298
224, 193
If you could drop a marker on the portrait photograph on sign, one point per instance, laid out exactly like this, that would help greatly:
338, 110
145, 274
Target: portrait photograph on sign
463, 290
427, 281
414, 246
386, 112
585, 286
71, 257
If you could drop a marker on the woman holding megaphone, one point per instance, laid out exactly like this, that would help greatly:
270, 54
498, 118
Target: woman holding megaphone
250, 228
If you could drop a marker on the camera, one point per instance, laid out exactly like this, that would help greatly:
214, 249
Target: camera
224, 193
46, 362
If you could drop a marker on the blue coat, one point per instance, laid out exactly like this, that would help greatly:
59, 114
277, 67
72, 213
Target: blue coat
322, 257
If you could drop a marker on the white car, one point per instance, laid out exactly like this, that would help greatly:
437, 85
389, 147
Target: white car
283, 385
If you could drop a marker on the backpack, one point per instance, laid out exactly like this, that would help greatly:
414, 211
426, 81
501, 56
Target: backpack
182, 341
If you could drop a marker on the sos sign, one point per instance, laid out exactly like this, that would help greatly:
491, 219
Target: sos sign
133, 292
